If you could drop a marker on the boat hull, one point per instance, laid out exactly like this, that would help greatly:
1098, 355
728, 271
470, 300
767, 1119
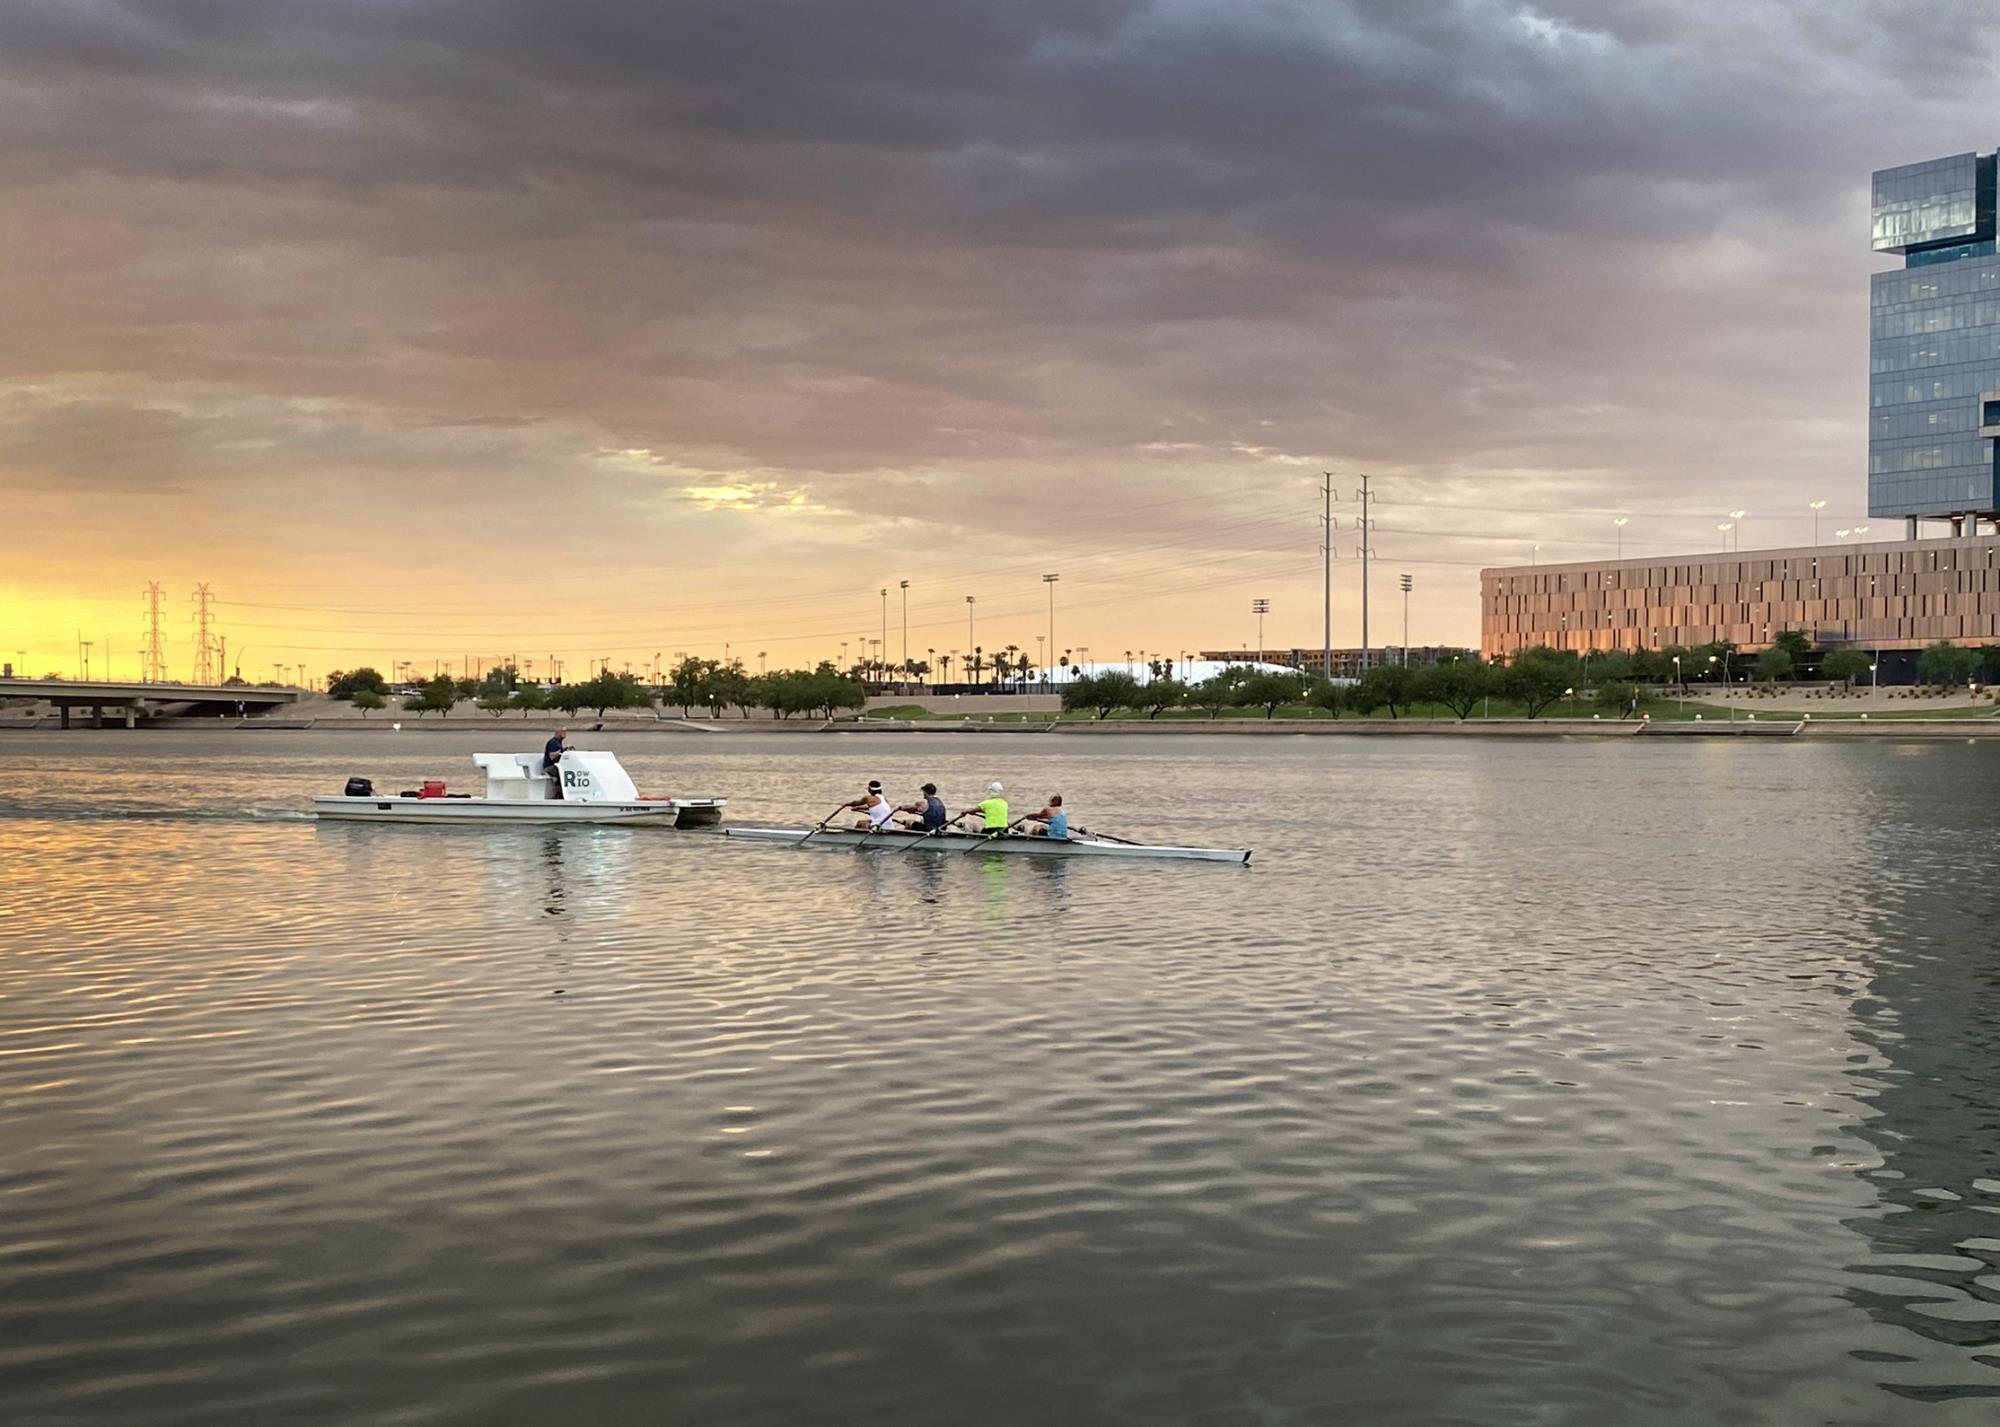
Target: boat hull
676, 812
972, 844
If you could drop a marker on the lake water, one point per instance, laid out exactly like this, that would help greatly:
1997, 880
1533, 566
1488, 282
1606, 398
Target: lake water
1513, 1083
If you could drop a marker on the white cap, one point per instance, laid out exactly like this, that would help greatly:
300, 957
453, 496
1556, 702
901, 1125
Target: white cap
993, 788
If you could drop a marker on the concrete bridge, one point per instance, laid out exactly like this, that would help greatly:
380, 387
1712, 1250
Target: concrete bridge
129, 702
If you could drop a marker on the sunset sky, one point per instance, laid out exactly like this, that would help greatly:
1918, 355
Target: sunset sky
434, 330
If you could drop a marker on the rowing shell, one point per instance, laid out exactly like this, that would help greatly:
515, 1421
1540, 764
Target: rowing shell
1011, 845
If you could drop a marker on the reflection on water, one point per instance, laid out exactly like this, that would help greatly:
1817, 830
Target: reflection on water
1930, 1019
1552, 1084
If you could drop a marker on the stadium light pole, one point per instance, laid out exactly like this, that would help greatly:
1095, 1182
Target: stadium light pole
1050, 581
1736, 525
1406, 621
1620, 524
1816, 507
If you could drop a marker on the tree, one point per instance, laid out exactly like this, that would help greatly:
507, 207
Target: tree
495, 704
499, 681
612, 691
1775, 663
1795, 642
1614, 664
1218, 691
1459, 685
687, 680
1327, 695
1158, 695
466, 688
367, 700
725, 684
527, 698
1846, 665
345, 685
1617, 694
1535, 680
1388, 686
1946, 663
1269, 692
437, 696
1106, 693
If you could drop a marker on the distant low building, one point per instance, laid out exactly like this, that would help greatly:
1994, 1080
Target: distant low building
1347, 663
1890, 595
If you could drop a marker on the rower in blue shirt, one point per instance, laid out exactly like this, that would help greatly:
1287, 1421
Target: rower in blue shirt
930, 812
1054, 821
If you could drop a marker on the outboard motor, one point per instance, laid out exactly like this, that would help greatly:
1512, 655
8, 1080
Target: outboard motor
360, 788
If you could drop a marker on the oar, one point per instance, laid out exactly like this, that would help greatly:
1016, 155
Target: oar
991, 836
941, 827
822, 825
1106, 837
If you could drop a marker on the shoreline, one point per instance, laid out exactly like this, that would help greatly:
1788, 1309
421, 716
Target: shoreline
1987, 727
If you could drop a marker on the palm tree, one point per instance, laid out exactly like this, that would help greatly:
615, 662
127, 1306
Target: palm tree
976, 661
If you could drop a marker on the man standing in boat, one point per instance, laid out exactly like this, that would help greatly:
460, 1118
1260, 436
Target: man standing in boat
930, 811
552, 753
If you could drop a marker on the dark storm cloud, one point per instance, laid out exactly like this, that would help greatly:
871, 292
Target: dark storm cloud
1569, 252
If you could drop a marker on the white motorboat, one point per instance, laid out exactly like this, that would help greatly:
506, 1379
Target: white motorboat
594, 788
978, 845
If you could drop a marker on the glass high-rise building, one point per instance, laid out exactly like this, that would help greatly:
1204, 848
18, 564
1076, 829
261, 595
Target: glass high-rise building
1934, 343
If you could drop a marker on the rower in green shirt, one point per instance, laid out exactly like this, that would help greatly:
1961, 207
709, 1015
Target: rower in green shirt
992, 808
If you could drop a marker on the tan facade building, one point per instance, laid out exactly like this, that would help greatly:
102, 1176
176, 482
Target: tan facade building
1899, 595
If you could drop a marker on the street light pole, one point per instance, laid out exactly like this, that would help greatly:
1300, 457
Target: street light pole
970, 642
905, 587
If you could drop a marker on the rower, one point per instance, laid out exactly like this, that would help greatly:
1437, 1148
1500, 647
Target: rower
552, 753
873, 806
1054, 821
992, 809
930, 812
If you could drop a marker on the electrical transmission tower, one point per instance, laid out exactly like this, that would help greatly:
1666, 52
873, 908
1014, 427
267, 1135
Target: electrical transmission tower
204, 638
155, 663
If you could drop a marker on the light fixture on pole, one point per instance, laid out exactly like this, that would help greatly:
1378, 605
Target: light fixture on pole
1736, 524
1406, 621
1260, 608
882, 647
1816, 506
1725, 528
1619, 522
904, 585
970, 642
